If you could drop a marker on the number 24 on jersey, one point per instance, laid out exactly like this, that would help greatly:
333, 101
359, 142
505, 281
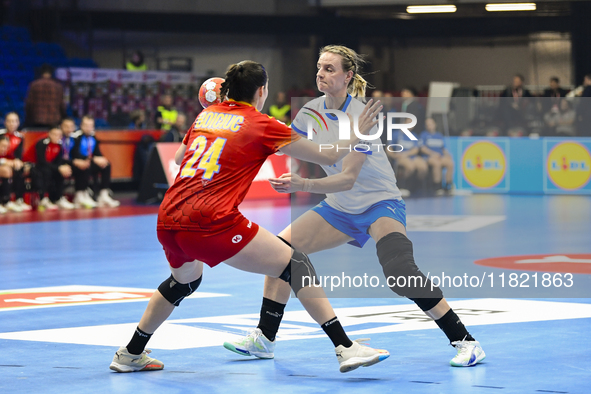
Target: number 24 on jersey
209, 161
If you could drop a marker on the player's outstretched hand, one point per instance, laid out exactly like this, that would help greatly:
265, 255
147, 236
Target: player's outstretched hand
369, 116
287, 183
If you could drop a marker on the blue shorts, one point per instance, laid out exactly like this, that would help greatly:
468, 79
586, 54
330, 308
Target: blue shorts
357, 226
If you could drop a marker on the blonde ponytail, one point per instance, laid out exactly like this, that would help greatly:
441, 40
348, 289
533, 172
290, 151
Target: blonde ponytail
357, 86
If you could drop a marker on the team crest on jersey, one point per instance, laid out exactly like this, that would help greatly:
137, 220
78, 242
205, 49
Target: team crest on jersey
236, 239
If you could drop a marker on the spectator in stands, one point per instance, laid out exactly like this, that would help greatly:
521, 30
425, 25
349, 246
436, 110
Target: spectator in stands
52, 170
377, 94
411, 105
68, 128
166, 115
513, 107
555, 94
138, 119
578, 91
584, 109
561, 121
13, 159
438, 158
587, 86
137, 62
44, 105
281, 109
86, 148
410, 168
177, 131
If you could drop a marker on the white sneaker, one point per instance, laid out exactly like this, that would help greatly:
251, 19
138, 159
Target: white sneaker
123, 361
254, 344
47, 204
3, 210
63, 203
83, 200
13, 207
469, 353
359, 355
89, 198
404, 193
105, 200
25, 207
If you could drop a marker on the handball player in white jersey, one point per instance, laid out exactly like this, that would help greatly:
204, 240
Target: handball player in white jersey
362, 201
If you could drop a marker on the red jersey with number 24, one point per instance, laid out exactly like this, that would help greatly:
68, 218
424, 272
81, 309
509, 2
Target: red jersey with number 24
226, 146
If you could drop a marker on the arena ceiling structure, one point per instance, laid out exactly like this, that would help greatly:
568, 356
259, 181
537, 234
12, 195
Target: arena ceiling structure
346, 21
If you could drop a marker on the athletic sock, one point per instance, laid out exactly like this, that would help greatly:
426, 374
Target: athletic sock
4, 190
138, 341
271, 315
335, 332
453, 327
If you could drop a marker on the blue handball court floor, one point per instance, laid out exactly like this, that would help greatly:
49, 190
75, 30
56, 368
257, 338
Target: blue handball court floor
72, 291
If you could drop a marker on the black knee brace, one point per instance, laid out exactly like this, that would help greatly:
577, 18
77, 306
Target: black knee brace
299, 272
175, 292
402, 274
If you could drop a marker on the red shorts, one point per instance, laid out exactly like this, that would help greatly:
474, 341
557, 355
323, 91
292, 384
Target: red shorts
182, 246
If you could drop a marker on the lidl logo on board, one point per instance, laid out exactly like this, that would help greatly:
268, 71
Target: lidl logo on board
569, 165
484, 164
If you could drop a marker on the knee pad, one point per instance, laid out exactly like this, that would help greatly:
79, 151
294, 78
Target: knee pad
402, 274
175, 292
299, 272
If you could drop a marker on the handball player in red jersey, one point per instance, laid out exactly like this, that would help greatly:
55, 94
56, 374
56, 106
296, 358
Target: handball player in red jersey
199, 221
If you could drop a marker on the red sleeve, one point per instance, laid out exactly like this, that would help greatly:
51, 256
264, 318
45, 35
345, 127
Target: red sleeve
278, 135
186, 137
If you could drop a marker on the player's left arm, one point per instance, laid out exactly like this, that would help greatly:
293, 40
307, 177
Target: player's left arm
289, 183
180, 153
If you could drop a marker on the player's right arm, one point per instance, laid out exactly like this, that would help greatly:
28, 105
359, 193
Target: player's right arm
327, 154
343, 181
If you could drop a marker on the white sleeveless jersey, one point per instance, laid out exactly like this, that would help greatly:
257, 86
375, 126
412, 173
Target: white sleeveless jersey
376, 181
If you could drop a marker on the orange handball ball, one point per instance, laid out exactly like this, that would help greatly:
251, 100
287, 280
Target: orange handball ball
209, 92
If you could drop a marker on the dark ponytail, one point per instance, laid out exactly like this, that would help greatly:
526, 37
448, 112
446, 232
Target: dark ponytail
242, 81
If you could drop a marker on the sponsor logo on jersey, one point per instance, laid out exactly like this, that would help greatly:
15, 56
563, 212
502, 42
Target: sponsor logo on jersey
569, 165
237, 238
484, 164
